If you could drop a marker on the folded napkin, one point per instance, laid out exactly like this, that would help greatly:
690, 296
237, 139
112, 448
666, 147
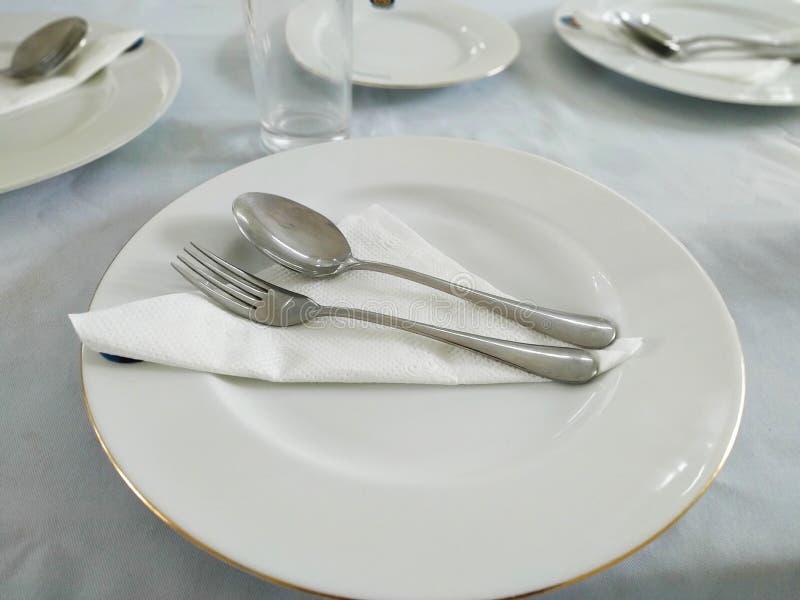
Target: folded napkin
187, 330
16, 94
729, 66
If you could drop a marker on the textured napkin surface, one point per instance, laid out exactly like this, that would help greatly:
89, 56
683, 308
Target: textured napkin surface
97, 53
187, 330
731, 67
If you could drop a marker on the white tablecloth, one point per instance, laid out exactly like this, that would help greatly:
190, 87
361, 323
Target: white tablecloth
724, 179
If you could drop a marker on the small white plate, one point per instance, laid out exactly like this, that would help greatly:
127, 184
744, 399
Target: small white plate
416, 491
414, 44
87, 122
731, 17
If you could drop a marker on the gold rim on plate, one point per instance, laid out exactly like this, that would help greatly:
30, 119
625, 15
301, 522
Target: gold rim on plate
154, 509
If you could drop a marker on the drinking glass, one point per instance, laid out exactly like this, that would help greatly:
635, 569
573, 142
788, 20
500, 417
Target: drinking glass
301, 63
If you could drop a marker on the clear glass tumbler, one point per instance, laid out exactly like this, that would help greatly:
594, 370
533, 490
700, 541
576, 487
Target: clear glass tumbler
301, 63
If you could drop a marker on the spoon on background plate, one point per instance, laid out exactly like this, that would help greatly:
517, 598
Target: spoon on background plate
47, 49
642, 30
307, 242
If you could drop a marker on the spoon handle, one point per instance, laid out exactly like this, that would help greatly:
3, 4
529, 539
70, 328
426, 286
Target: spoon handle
748, 47
743, 41
567, 365
581, 330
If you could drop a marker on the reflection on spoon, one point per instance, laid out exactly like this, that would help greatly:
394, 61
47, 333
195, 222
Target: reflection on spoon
48, 49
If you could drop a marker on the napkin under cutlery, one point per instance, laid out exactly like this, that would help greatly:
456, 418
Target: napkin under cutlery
98, 53
187, 330
731, 67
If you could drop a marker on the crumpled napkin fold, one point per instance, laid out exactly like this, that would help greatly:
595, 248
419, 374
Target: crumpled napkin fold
728, 66
98, 53
187, 330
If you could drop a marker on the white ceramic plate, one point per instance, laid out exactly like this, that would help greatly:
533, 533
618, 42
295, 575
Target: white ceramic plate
686, 18
434, 492
414, 44
109, 110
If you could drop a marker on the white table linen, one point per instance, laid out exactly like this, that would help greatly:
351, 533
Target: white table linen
722, 178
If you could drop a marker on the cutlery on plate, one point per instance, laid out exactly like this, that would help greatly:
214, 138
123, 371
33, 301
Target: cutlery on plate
48, 49
641, 29
253, 298
307, 242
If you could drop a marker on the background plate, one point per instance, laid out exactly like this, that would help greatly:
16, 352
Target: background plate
414, 44
74, 128
686, 18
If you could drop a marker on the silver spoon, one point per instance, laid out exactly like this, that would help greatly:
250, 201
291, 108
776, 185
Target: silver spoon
665, 45
305, 241
47, 49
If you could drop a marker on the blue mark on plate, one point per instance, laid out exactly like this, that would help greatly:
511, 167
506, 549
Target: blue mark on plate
135, 45
118, 359
570, 21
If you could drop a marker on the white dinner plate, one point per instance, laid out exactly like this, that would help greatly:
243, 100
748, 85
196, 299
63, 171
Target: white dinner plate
89, 121
687, 18
414, 44
434, 492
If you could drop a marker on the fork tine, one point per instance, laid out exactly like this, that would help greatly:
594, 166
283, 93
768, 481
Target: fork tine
222, 298
239, 282
228, 288
257, 281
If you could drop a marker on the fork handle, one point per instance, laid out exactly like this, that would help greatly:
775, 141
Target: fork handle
581, 330
568, 365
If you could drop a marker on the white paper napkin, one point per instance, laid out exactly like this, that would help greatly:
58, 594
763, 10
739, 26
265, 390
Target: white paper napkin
187, 330
731, 67
16, 94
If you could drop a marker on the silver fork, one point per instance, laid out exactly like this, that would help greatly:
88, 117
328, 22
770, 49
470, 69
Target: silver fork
251, 297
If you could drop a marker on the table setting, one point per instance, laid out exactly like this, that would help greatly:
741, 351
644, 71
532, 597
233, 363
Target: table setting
399, 299
62, 121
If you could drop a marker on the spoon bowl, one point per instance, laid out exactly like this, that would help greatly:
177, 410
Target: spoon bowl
292, 234
654, 39
48, 49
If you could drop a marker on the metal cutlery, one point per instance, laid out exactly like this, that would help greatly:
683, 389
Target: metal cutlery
307, 242
47, 49
253, 298
641, 30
